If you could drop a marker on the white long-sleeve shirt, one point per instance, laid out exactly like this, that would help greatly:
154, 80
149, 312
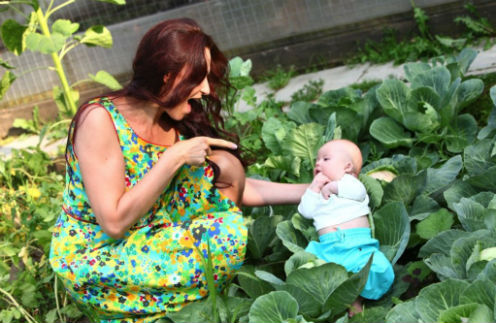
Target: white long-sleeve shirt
351, 202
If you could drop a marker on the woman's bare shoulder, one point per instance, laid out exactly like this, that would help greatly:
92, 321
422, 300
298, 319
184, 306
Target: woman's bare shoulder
95, 130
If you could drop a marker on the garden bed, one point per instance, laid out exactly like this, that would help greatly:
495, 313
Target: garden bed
434, 217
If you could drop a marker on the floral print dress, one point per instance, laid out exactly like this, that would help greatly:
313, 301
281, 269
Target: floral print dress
157, 267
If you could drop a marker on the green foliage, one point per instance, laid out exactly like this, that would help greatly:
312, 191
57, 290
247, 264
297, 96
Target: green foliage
55, 40
430, 107
279, 77
309, 92
31, 126
434, 215
423, 45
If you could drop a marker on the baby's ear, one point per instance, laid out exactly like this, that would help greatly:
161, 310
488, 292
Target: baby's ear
349, 168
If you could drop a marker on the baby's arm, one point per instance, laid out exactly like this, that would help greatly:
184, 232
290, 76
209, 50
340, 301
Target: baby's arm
329, 189
310, 199
350, 187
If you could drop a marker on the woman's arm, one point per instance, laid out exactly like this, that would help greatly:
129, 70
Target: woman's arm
103, 171
258, 192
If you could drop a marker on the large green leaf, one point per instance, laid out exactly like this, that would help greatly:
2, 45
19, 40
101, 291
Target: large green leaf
348, 291
97, 36
340, 97
465, 58
12, 34
458, 190
477, 157
462, 134
422, 207
439, 178
251, 284
442, 266
404, 188
392, 229
239, 68
274, 133
438, 78
468, 92
374, 190
435, 223
45, 44
492, 94
284, 164
489, 271
426, 96
390, 133
393, 97
347, 119
274, 307
315, 281
65, 27
414, 69
299, 112
463, 248
481, 291
403, 312
398, 164
441, 243
305, 226
304, 141
422, 115
298, 259
472, 214
5, 82
485, 180
195, 312
260, 234
464, 313
106, 79
489, 130
435, 298
292, 239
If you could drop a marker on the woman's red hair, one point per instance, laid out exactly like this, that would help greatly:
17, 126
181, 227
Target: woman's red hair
165, 50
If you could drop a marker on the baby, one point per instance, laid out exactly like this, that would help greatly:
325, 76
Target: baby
338, 204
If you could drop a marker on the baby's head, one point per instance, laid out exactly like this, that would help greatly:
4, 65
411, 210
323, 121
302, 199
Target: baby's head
338, 157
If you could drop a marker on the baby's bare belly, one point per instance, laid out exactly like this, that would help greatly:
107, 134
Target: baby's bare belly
360, 222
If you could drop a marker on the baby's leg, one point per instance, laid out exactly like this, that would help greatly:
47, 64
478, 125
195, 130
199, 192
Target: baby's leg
231, 181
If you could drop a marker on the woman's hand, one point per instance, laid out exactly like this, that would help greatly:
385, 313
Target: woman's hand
194, 151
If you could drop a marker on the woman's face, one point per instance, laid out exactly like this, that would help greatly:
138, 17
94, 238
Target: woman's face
182, 109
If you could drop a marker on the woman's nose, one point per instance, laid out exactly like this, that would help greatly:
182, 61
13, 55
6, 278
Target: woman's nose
205, 87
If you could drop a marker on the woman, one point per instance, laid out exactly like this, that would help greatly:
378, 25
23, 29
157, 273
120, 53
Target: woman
145, 188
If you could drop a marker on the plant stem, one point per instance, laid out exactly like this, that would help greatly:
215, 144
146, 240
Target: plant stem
60, 6
56, 290
21, 309
57, 62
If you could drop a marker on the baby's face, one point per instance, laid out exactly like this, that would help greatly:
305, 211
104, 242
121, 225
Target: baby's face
333, 162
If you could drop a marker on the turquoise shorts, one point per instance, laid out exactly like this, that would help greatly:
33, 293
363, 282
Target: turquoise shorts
351, 248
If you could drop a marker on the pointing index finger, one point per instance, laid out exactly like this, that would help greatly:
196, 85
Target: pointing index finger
221, 143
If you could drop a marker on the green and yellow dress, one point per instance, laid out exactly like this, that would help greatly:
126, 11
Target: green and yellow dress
156, 268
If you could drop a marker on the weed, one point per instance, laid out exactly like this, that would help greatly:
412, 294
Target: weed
310, 91
279, 77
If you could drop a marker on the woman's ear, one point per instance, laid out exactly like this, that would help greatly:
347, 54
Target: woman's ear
166, 78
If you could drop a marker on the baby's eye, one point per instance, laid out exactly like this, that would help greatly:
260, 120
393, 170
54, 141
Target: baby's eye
325, 159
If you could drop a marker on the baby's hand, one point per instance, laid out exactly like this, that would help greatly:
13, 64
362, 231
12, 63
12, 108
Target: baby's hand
329, 189
318, 182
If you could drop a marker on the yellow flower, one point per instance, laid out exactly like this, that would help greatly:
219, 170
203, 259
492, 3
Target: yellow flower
33, 192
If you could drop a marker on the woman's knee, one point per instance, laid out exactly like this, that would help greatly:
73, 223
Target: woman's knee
231, 180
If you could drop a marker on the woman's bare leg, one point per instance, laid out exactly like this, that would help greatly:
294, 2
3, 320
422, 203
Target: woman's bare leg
231, 181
